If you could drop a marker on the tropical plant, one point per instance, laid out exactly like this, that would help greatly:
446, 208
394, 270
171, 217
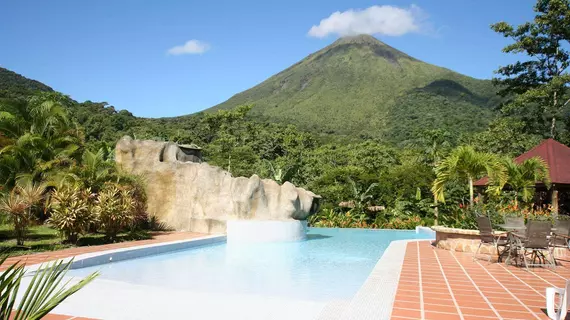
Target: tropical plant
540, 213
435, 145
115, 209
136, 185
40, 137
18, 205
328, 218
282, 174
361, 196
44, 292
71, 212
94, 169
465, 163
405, 223
15, 209
522, 177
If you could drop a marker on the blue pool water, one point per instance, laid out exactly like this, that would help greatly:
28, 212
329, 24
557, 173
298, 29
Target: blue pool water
331, 264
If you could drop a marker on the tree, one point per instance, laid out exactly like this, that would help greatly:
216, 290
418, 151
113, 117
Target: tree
505, 136
464, 163
522, 177
40, 137
539, 84
435, 144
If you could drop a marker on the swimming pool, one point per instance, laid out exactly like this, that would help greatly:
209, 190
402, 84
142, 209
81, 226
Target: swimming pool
331, 265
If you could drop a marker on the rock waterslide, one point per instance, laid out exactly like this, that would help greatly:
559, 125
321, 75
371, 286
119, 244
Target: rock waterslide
199, 197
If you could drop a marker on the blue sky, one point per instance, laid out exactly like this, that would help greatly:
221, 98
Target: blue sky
118, 50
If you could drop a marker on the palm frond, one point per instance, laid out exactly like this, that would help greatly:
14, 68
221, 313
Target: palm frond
45, 291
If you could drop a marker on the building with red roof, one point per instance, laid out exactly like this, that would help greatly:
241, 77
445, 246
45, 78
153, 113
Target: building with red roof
557, 157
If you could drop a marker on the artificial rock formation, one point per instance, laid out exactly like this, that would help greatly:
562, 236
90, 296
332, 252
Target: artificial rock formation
199, 197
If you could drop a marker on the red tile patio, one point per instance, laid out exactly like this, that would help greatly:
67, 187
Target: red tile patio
439, 284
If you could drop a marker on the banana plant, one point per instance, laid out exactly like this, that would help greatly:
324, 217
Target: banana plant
282, 174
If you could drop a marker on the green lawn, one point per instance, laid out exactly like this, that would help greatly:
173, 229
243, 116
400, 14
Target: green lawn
43, 238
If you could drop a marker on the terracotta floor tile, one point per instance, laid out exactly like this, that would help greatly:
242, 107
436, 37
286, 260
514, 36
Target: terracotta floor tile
440, 308
407, 305
481, 279
516, 315
468, 317
478, 312
56, 317
415, 314
445, 302
441, 316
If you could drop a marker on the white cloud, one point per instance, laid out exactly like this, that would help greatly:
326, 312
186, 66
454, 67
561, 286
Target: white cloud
190, 47
383, 20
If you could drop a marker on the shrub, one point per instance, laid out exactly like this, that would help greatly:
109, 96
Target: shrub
407, 223
328, 218
115, 209
18, 206
136, 185
71, 213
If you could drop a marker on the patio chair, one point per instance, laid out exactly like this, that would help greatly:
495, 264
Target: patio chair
561, 234
564, 296
536, 240
489, 237
515, 222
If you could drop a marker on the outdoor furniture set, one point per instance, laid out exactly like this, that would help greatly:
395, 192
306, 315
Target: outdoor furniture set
530, 244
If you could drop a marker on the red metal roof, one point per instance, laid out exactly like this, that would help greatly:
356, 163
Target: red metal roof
554, 153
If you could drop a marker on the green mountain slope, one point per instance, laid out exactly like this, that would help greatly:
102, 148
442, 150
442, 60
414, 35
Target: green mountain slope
361, 86
15, 85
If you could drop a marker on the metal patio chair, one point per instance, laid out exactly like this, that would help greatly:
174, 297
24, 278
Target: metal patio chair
561, 234
515, 223
535, 242
488, 236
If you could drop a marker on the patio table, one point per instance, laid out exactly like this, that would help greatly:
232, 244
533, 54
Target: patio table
511, 227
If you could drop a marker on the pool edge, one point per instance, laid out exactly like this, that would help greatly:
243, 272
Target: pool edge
375, 299
113, 255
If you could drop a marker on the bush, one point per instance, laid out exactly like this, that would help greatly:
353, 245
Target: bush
328, 218
72, 212
406, 223
18, 206
136, 185
115, 209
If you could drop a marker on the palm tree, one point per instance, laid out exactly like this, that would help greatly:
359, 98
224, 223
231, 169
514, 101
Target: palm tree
522, 177
464, 163
94, 170
37, 137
